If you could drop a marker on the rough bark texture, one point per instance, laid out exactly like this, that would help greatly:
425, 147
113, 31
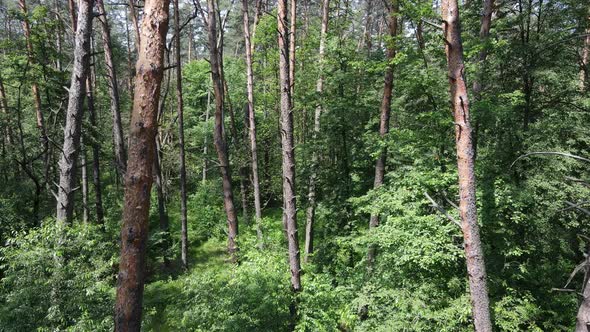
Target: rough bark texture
288, 150
72, 129
118, 138
179, 105
218, 136
583, 316
385, 111
467, 206
143, 128
252, 120
85, 208
311, 196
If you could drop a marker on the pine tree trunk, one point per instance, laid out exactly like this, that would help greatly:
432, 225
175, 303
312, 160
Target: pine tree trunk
95, 154
118, 138
85, 209
292, 39
311, 196
467, 205
205, 141
218, 135
288, 149
252, 119
143, 128
385, 111
72, 129
584, 70
179, 105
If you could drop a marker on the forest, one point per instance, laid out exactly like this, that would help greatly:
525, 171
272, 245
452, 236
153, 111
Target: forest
295, 165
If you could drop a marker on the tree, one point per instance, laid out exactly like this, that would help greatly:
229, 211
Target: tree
252, 120
288, 149
118, 138
143, 128
182, 171
72, 129
466, 167
311, 196
585, 56
385, 111
219, 139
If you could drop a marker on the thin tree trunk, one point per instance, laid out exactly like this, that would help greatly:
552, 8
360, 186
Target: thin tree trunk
35, 91
205, 142
4, 109
143, 128
257, 16
95, 153
162, 213
218, 136
118, 138
584, 70
467, 205
385, 111
179, 105
134, 19
311, 196
292, 39
288, 150
72, 129
85, 209
252, 119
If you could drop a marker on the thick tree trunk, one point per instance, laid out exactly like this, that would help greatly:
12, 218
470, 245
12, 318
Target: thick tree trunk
95, 154
218, 136
385, 111
252, 119
467, 206
143, 128
179, 105
118, 138
35, 90
288, 149
311, 196
72, 129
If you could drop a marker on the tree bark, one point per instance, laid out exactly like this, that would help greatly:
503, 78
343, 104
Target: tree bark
72, 129
205, 141
252, 120
585, 57
95, 154
118, 138
385, 111
288, 149
85, 208
311, 196
292, 39
143, 128
179, 105
134, 19
467, 205
218, 136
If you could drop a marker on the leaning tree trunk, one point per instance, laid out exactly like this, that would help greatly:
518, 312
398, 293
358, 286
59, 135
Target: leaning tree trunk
179, 105
143, 128
218, 136
465, 164
384, 119
118, 138
311, 196
72, 129
252, 121
288, 149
